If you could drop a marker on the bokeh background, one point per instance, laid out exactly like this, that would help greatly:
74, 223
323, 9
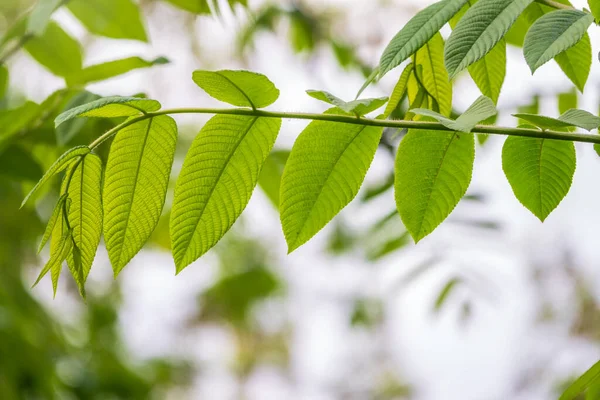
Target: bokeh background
492, 305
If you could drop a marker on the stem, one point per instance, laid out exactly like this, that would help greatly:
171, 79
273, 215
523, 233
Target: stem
348, 119
555, 4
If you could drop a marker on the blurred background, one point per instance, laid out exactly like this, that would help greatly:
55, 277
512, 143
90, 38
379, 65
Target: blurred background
493, 305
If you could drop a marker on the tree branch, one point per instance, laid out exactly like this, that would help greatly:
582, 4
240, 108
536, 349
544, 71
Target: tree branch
348, 119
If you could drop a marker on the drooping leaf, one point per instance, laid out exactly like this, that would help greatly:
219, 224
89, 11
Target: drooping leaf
85, 212
324, 172
567, 101
110, 69
554, 33
270, 175
60, 254
482, 27
581, 384
56, 51
433, 172
135, 185
40, 16
239, 88
110, 107
433, 75
574, 117
59, 165
417, 32
399, 91
370, 79
119, 19
69, 129
482, 109
357, 107
56, 214
216, 181
540, 171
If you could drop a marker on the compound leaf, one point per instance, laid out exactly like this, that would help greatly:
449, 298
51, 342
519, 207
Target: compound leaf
56, 213
39, 18
584, 382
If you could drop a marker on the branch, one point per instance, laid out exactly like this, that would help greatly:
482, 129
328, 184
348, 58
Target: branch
555, 4
347, 119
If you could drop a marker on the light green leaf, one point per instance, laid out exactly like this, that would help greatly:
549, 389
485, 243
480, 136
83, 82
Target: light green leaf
433, 74
595, 9
110, 69
240, 88
482, 27
324, 172
554, 33
489, 72
56, 213
40, 16
433, 172
57, 256
567, 100
216, 181
356, 107
59, 165
110, 107
193, 6
417, 32
85, 213
68, 130
3, 80
18, 163
119, 19
56, 50
399, 91
589, 378
573, 117
540, 171
59, 235
370, 79
15, 120
270, 175
135, 186
446, 291
482, 109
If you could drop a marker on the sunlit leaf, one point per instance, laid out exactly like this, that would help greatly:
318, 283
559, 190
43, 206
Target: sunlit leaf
433, 74
110, 69
40, 16
110, 107
570, 118
357, 107
69, 129
589, 378
56, 51
482, 109
399, 91
60, 254
567, 101
56, 214
270, 175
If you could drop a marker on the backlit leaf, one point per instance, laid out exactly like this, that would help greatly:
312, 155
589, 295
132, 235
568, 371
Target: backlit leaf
482, 109
567, 100
357, 107
3, 80
56, 214
110, 107
56, 50
40, 16
110, 69
69, 129
595, 8
216, 181
270, 175
433, 74
573, 117
433, 172
62, 250
581, 384
399, 91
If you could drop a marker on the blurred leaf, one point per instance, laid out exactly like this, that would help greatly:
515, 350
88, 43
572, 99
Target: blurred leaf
516, 34
3, 80
399, 91
389, 246
341, 239
110, 69
357, 107
56, 216
367, 313
67, 131
110, 107
56, 50
17, 163
14, 120
270, 175
301, 32
567, 101
40, 16
589, 378
597, 148
445, 293
194, 6
119, 19
374, 191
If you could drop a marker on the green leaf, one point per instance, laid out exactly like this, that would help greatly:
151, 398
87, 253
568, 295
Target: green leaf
482, 27
15, 120
193, 6
68, 130
433, 172
135, 186
567, 100
589, 378
554, 33
3, 80
56, 50
19, 164
399, 91
56, 213
270, 175
57, 256
370, 79
119, 19
324, 172
445, 293
357, 107
597, 148
573, 117
59, 165
110, 69
595, 9
540, 171
216, 181
110, 107
482, 109
433, 74
417, 32
85, 213
239, 88
489, 72
40, 16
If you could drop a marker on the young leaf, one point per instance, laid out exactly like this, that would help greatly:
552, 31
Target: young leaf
324, 172
56, 50
595, 9
216, 181
110, 107
239, 88
40, 16
573, 117
540, 172
399, 91
60, 254
135, 186
58, 245
581, 384
554, 33
433, 75
119, 19
59, 165
482, 27
482, 109
85, 213
110, 69
52, 221
417, 32
356, 107
433, 172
